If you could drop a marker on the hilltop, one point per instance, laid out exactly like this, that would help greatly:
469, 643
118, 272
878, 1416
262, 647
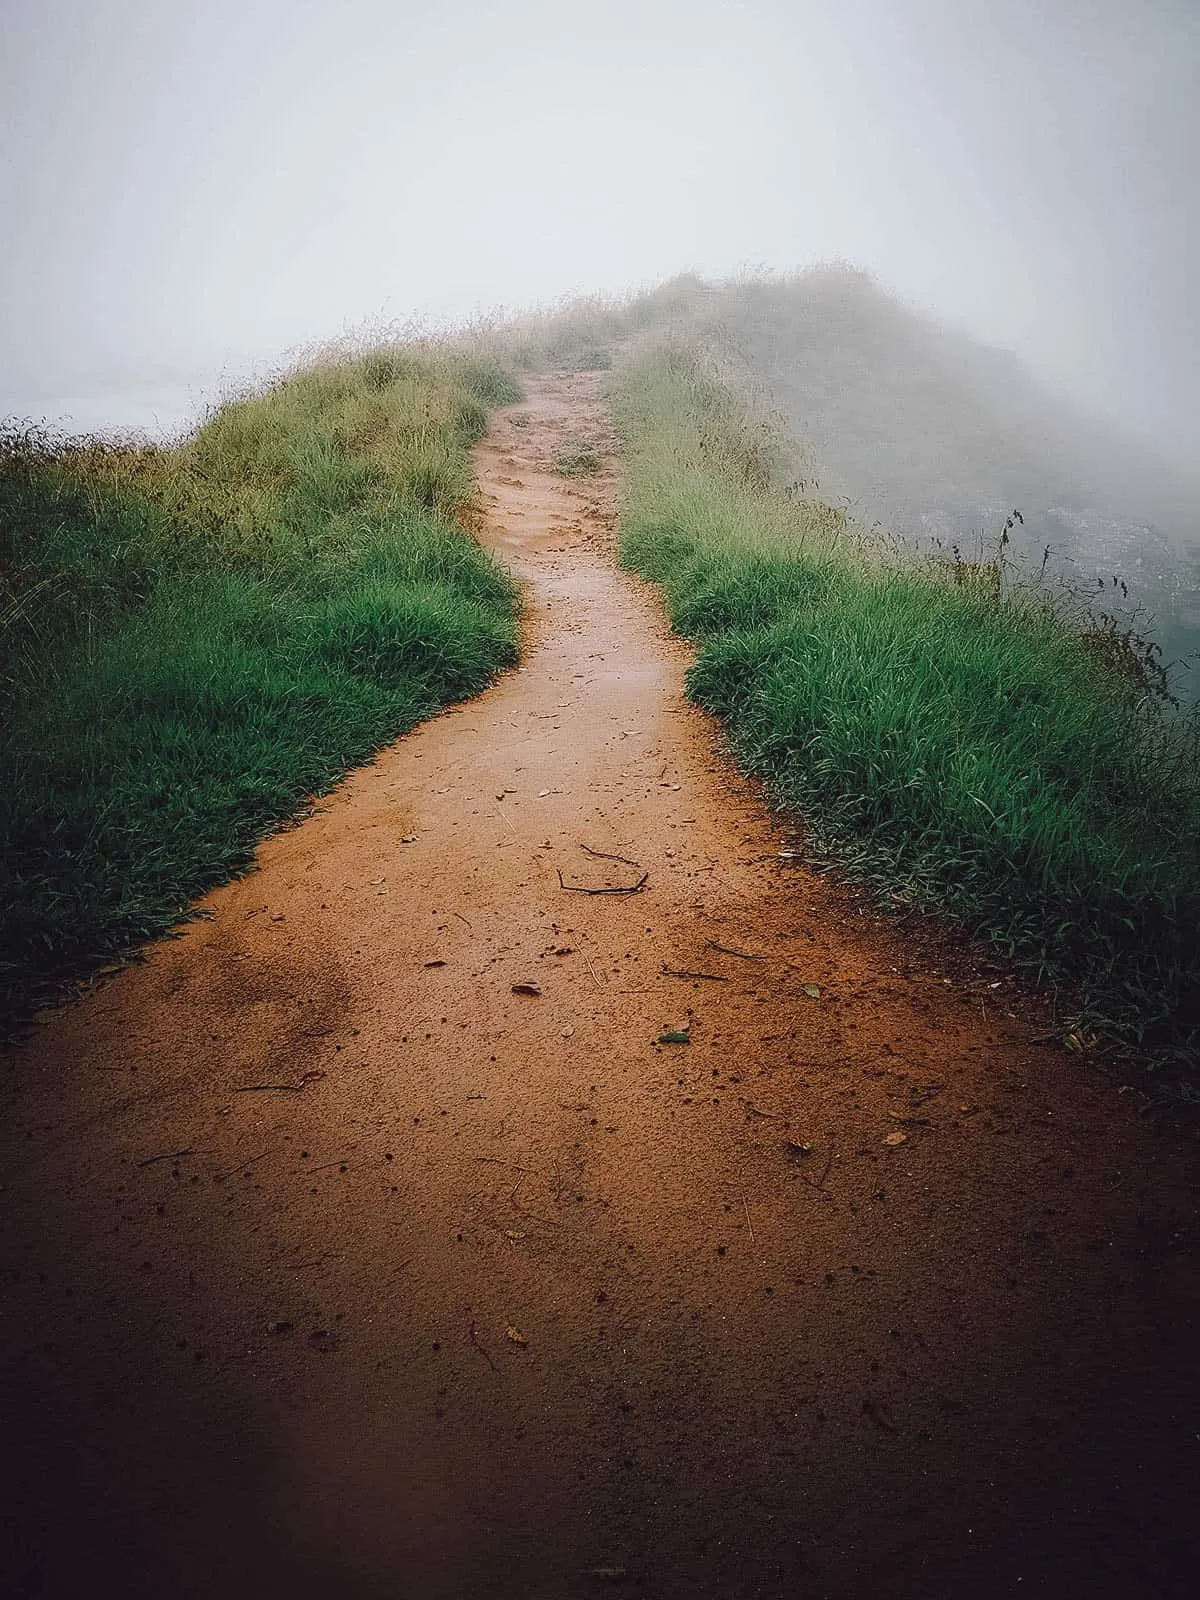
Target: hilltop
936, 437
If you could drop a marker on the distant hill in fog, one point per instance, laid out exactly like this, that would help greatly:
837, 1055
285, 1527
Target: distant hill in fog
938, 437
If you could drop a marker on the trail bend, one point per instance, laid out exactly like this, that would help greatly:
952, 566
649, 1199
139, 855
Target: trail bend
336, 1265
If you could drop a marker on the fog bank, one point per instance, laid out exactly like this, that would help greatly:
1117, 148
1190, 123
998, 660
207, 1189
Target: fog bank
194, 186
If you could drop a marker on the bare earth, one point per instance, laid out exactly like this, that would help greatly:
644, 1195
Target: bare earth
335, 1266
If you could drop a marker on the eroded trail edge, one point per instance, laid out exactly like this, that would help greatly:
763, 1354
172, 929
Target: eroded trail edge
367, 1241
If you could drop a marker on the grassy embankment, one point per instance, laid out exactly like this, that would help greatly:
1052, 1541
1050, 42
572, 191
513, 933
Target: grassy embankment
949, 744
194, 640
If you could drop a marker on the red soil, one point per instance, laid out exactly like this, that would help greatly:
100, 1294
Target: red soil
337, 1266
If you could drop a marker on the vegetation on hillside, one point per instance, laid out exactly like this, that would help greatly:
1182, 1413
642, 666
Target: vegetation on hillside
936, 436
926, 432
954, 743
196, 639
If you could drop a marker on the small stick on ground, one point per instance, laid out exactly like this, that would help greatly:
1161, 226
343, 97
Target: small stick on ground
592, 970
749, 1224
682, 972
773, 1116
605, 855
578, 888
305, 1079
728, 950
167, 1155
819, 1183
233, 1171
484, 1353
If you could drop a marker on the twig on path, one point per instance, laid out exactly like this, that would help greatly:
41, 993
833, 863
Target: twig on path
728, 950
606, 855
682, 972
484, 1353
592, 970
534, 1216
167, 1155
578, 888
749, 1224
233, 1171
294, 1088
512, 1200
819, 1183
773, 1116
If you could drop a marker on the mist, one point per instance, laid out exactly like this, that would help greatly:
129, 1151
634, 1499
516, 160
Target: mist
925, 436
193, 189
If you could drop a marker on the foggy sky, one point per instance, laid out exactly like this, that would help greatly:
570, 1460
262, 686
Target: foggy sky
187, 184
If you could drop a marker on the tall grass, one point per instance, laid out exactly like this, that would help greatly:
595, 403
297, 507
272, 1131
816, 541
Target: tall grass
979, 751
586, 333
196, 639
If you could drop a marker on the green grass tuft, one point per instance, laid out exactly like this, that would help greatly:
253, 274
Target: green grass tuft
578, 458
951, 745
196, 640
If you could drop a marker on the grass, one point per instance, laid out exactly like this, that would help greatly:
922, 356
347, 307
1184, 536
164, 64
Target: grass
577, 459
986, 753
197, 639
584, 334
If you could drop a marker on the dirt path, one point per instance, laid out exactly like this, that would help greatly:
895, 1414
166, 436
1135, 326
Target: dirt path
334, 1266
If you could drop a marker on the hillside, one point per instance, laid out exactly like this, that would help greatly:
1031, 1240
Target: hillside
938, 438
533, 1177
198, 638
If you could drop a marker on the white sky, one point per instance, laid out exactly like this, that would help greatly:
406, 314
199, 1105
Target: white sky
190, 183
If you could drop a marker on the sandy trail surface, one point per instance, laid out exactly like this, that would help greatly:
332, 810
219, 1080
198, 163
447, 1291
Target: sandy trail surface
336, 1264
